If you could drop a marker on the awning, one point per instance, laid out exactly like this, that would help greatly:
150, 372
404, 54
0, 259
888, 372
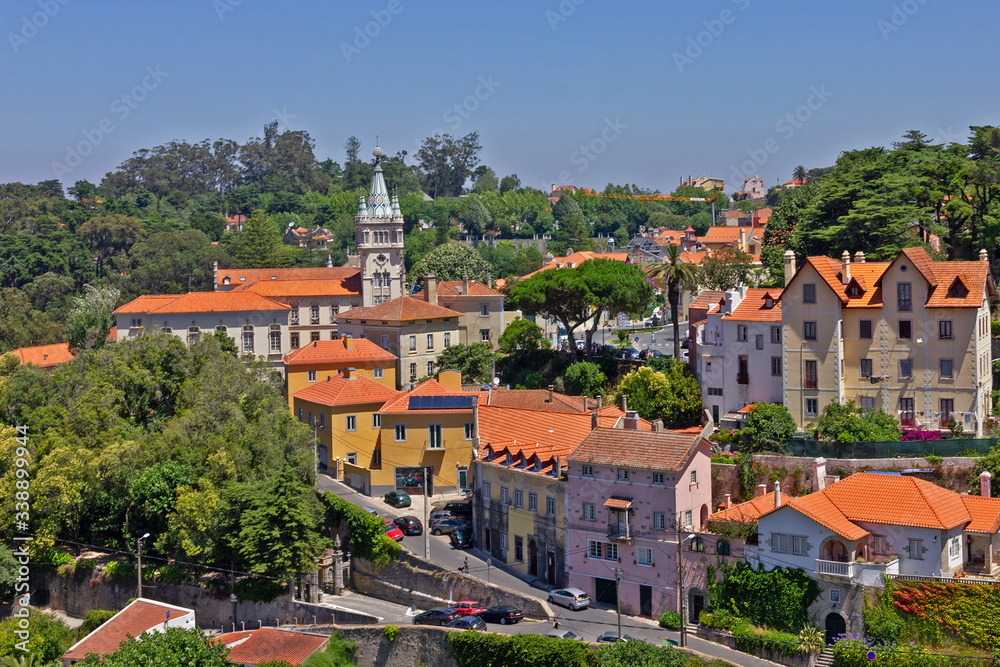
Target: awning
747, 408
618, 503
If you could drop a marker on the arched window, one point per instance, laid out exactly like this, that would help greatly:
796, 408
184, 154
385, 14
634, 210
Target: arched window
194, 335
222, 328
226, 280
248, 339
722, 548
697, 544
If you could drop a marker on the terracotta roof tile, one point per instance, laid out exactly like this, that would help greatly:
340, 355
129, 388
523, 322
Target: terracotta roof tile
335, 351
821, 509
238, 276
270, 644
753, 306
618, 503
44, 356
985, 513
577, 258
637, 449
303, 288
133, 620
202, 302
749, 511
427, 388
975, 276
538, 399
400, 309
723, 234
707, 298
338, 390
457, 288
146, 303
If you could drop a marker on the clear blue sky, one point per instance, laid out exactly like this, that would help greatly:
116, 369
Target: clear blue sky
562, 75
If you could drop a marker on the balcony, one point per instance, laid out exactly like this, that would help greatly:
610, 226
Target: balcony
742, 378
866, 574
835, 568
811, 384
619, 533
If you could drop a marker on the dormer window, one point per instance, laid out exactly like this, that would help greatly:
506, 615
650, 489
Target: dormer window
768, 302
508, 460
226, 280
958, 289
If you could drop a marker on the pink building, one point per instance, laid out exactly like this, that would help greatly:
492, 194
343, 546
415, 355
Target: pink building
627, 492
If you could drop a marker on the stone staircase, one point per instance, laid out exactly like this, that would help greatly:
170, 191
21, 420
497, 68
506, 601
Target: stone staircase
825, 658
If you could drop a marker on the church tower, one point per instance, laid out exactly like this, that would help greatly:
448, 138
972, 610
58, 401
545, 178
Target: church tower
379, 229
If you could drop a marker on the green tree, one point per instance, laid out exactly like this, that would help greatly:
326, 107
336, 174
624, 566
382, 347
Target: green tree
673, 396
109, 237
474, 361
639, 654
725, 269
573, 230
211, 225
846, 422
584, 379
259, 245
48, 640
511, 182
8, 573
767, 428
614, 287
799, 174
173, 262
452, 261
474, 217
486, 180
672, 276
447, 163
521, 334
176, 647
90, 319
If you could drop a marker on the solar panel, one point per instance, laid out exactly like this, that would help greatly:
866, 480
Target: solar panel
446, 402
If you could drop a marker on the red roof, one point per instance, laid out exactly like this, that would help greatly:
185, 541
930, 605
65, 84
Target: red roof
707, 298
270, 644
146, 303
637, 449
724, 234
335, 352
539, 399
44, 356
749, 511
239, 276
753, 307
133, 620
303, 288
339, 390
985, 513
400, 309
457, 288
426, 388
203, 302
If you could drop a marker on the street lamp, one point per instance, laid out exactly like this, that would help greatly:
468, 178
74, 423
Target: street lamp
681, 592
139, 555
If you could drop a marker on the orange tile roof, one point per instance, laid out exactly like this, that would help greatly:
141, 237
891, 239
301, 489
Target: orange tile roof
218, 302
693, 257
335, 352
752, 308
577, 258
44, 356
538, 399
133, 620
270, 644
146, 303
457, 288
637, 449
821, 509
749, 511
303, 288
618, 503
985, 513
976, 277
338, 390
723, 234
427, 388
707, 298
400, 309
316, 273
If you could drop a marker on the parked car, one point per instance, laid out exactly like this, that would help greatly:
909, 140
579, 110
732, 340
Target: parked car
460, 508
685, 342
574, 598
410, 525
438, 616
439, 514
398, 498
611, 636
461, 538
468, 623
564, 634
371, 510
392, 531
501, 614
468, 607
445, 526
629, 353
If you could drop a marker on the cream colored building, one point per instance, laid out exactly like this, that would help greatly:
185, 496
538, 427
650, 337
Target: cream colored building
481, 307
910, 337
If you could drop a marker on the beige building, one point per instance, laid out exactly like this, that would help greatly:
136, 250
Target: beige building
481, 307
910, 337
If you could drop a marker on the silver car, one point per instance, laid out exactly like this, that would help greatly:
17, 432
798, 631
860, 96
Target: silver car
574, 598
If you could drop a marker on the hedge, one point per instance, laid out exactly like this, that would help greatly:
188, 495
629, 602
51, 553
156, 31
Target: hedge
368, 539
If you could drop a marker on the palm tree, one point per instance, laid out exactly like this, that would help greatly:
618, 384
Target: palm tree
672, 276
799, 174
811, 641
23, 661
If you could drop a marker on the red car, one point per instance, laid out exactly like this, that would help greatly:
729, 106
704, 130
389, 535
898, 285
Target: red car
467, 608
392, 531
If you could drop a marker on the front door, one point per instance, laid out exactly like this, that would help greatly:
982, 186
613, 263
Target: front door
532, 558
835, 626
696, 607
605, 591
551, 567
463, 478
645, 600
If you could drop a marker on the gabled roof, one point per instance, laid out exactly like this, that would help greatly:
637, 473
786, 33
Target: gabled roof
749, 511
146, 303
975, 276
133, 620
270, 644
637, 449
432, 387
708, 298
336, 352
339, 390
400, 309
985, 513
723, 234
457, 288
44, 356
753, 309
539, 399
205, 302
240, 276
303, 288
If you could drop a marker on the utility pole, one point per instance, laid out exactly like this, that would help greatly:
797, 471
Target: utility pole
680, 585
427, 526
138, 552
232, 591
618, 599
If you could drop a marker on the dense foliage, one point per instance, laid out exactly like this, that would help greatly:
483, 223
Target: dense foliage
474, 361
49, 637
767, 428
367, 531
847, 422
176, 647
777, 598
521, 334
584, 379
934, 611
673, 396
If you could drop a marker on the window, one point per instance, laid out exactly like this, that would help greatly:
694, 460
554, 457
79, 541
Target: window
587, 471
946, 367
866, 368
776, 335
904, 295
352, 458
376, 420
470, 430
697, 544
486, 490
809, 293
550, 506
294, 340
434, 440
905, 368
274, 336
812, 407
430, 342
413, 343
644, 556
809, 330
866, 402
715, 391
687, 519
352, 422
658, 478
194, 335
779, 543
311, 376
866, 329
484, 309
430, 368
722, 548
518, 498
377, 373
314, 315
610, 551
659, 521
447, 339
413, 370
313, 335
811, 374
504, 495
484, 335
694, 477
947, 407
334, 311
594, 549
741, 332
742, 370
300, 414
248, 339
906, 410
503, 541
759, 341
623, 474
954, 547
400, 432
533, 503
944, 330
880, 545
385, 342
799, 546
905, 330
775, 366
293, 315
915, 549
518, 548
222, 328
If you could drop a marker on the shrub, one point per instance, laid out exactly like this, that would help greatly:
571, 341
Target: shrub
119, 569
671, 620
995, 327
584, 379
93, 620
911, 434
368, 538
482, 649
389, 632
777, 598
882, 622
339, 653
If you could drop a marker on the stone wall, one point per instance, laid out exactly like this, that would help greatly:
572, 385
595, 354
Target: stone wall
726, 639
412, 646
92, 588
414, 581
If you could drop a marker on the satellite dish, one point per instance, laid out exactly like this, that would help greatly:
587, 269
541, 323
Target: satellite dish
496, 381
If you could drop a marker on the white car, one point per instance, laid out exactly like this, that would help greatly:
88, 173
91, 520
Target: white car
574, 598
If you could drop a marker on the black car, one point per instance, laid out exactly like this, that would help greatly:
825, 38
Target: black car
460, 508
461, 538
501, 614
398, 498
410, 525
438, 616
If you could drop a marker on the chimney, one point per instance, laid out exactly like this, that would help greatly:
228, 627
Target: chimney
819, 474
551, 388
727, 500
314, 344
631, 421
350, 373
777, 495
557, 468
743, 239
327, 378
348, 342
761, 489
584, 403
465, 283
845, 268
789, 266
594, 421
658, 426
859, 257
624, 403
215, 275
983, 257
569, 251
599, 399
984, 484
430, 289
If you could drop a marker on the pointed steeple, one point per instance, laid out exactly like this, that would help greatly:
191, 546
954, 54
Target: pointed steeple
378, 196
396, 213
362, 205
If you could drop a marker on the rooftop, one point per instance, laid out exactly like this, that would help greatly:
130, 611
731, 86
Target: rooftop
336, 351
340, 390
400, 309
457, 288
241, 276
637, 449
754, 308
44, 356
202, 302
138, 617
303, 288
270, 644
427, 388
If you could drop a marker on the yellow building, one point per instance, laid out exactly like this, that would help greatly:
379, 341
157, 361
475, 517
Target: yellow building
321, 359
910, 337
343, 412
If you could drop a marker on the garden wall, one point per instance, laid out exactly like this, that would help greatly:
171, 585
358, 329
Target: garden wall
726, 639
411, 646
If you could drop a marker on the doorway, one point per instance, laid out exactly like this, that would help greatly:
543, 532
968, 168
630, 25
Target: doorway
550, 566
835, 626
645, 600
605, 591
463, 479
532, 558
696, 605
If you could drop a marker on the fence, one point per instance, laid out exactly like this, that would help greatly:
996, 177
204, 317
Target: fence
889, 449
